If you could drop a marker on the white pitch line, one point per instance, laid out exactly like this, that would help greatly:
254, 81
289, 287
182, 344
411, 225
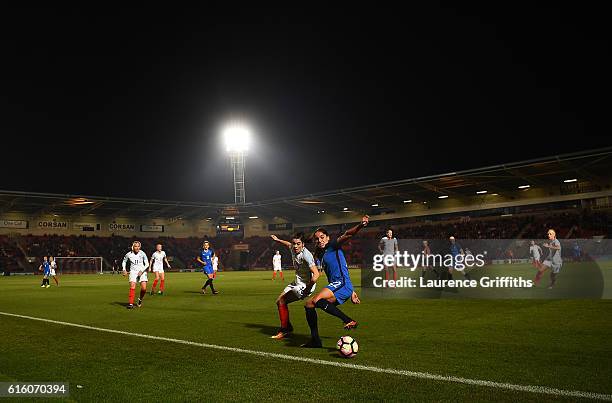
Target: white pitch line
411, 374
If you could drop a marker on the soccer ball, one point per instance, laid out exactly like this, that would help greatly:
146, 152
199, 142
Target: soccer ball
347, 346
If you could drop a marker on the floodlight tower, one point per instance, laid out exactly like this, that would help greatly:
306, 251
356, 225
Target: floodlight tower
237, 140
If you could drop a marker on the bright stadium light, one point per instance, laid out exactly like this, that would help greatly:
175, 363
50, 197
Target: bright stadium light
481, 192
407, 201
253, 217
345, 209
375, 205
524, 186
443, 197
570, 180
237, 138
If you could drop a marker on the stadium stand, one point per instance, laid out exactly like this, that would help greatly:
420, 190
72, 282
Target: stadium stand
576, 223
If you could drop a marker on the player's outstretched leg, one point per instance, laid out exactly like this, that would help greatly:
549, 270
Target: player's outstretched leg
332, 309
162, 286
55, 279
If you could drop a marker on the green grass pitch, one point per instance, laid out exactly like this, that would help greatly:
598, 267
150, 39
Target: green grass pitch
563, 344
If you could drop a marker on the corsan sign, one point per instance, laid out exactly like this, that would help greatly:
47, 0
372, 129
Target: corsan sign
121, 227
53, 224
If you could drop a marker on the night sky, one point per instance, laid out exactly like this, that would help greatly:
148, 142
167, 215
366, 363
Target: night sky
130, 102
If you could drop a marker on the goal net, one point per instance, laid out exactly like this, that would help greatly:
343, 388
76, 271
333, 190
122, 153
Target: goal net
79, 264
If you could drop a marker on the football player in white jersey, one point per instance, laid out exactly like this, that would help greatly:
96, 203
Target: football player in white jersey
53, 268
306, 276
157, 263
215, 264
139, 264
536, 254
553, 261
277, 265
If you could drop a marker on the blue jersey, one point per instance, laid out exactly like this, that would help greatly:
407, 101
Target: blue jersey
334, 264
46, 268
455, 249
206, 257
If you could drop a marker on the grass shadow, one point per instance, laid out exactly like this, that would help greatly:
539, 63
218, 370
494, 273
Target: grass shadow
293, 340
123, 304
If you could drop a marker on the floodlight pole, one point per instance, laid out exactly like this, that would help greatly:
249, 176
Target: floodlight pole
237, 160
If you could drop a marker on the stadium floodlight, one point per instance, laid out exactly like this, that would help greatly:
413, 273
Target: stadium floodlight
524, 186
481, 192
253, 217
494, 194
570, 180
345, 209
375, 205
237, 138
237, 141
443, 197
408, 201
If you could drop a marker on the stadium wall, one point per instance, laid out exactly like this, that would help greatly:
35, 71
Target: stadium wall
103, 226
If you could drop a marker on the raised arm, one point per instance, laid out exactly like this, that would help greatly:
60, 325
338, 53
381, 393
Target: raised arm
348, 234
277, 239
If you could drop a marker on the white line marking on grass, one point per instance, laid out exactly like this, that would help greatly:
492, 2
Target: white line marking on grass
411, 374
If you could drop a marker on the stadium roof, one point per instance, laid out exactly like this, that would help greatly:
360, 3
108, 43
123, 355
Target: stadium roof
592, 169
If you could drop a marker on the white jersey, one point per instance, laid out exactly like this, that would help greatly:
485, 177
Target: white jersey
215, 263
388, 246
157, 260
302, 262
138, 262
535, 251
53, 267
276, 262
554, 255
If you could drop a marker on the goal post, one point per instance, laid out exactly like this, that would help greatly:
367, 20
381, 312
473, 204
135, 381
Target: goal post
79, 264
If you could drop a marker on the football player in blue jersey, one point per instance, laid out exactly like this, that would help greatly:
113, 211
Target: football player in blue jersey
340, 287
205, 259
